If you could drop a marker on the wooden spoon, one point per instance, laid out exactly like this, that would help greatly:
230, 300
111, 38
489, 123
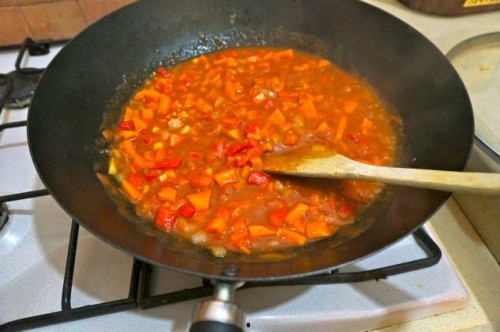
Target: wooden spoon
337, 166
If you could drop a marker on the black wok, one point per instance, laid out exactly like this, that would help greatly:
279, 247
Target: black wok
100, 68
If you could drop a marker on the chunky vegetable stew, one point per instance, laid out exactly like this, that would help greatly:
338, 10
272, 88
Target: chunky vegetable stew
188, 148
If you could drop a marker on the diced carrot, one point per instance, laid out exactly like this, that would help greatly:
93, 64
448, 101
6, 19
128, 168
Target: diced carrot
291, 138
260, 230
148, 94
164, 105
140, 163
128, 114
203, 59
129, 148
147, 114
189, 101
291, 236
240, 241
232, 133
200, 179
230, 90
286, 54
203, 106
231, 122
139, 123
323, 63
200, 200
350, 106
152, 106
296, 212
298, 225
215, 226
322, 127
168, 194
223, 212
340, 129
277, 117
130, 191
366, 126
308, 109
129, 135
267, 147
256, 162
318, 229
224, 176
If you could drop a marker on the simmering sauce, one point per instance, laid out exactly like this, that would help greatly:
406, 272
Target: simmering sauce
189, 145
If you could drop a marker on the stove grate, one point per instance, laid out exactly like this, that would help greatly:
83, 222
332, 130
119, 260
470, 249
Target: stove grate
140, 297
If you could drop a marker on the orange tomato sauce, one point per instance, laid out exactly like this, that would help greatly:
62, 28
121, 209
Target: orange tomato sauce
189, 145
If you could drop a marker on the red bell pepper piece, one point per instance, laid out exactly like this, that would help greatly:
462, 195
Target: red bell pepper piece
258, 178
150, 175
251, 128
173, 163
146, 139
277, 218
241, 161
251, 142
166, 218
345, 210
236, 147
163, 72
269, 104
127, 125
187, 211
219, 147
136, 180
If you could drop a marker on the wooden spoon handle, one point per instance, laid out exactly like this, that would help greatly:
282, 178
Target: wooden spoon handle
339, 166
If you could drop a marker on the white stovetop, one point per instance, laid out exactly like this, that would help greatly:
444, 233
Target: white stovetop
466, 281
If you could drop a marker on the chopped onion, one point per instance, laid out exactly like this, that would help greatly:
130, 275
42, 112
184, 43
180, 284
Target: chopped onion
175, 123
218, 251
199, 237
278, 185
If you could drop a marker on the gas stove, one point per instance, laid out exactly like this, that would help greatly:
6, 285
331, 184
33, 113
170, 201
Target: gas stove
56, 276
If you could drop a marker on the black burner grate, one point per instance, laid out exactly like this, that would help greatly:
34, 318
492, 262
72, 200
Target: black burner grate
139, 295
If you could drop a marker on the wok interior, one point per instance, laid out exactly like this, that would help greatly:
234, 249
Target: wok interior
100, 69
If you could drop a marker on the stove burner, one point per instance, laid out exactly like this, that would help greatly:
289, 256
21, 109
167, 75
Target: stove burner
23, 88
17, 87
6, 84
